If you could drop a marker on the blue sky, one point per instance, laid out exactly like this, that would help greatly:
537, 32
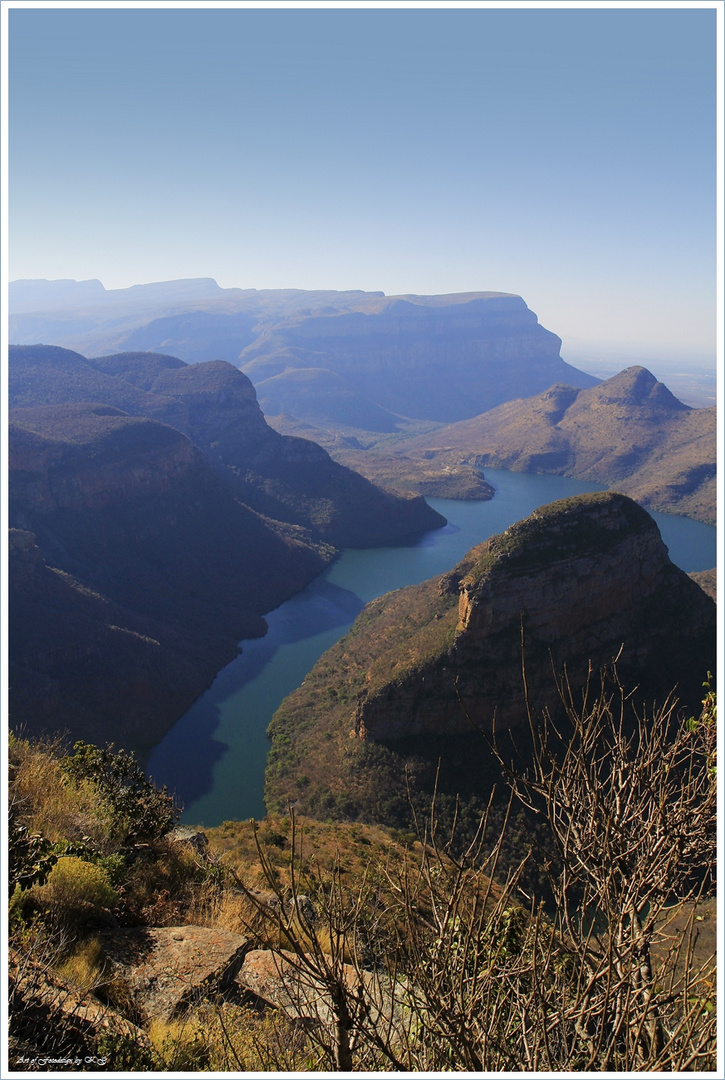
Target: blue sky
566, 155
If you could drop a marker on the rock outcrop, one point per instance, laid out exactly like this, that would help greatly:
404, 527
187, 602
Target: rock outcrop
583, 581
56, 1025
165, 970
579, 585
284, 981
630, 433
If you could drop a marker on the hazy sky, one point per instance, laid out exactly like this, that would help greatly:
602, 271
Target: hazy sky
567, 155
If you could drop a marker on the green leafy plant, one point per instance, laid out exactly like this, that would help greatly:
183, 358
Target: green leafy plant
30, 856
142, 812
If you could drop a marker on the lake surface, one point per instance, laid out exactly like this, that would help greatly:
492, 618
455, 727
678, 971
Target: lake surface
214, 756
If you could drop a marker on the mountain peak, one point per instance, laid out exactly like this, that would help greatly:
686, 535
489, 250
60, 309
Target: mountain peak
638, 385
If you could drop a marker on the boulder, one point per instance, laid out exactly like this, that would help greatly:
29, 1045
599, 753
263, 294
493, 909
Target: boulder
167, 969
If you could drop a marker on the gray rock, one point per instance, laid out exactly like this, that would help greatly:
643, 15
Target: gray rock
167, 969
183, 834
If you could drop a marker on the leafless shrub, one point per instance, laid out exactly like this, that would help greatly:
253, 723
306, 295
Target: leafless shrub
433, 962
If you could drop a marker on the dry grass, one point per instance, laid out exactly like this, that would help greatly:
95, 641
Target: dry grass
225, 1038
52, 805
85, 965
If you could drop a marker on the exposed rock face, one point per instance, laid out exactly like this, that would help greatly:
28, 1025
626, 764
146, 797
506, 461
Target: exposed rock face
430, 357
283, 981
586, 580
630, 433
167, 969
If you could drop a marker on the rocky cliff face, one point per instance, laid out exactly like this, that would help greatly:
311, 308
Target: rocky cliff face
586, 580
580, 584
439, 358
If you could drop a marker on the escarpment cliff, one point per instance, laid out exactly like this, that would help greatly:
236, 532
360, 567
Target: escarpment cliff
440, 358
581, 583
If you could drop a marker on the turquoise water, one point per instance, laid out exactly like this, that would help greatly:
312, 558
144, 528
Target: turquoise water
214, 756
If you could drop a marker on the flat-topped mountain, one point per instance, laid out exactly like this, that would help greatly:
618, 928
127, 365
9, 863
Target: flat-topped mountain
630, 433
157, 519
439, 358
193, 318
586, 580
353, 359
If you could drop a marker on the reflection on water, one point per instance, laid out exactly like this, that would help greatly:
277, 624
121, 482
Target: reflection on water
214, 756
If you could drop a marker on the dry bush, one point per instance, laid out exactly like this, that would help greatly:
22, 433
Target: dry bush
224, 906
444, 970
160, 883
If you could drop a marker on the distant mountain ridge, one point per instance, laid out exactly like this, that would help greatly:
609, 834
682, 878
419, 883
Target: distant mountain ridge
343, 359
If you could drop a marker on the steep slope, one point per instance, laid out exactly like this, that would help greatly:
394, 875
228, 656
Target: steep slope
215, 405
630, 433
158, 518
132, 561
440, 358
587, 579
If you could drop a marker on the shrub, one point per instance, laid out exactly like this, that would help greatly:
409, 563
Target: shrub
30, 856
73, 884
141, 811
